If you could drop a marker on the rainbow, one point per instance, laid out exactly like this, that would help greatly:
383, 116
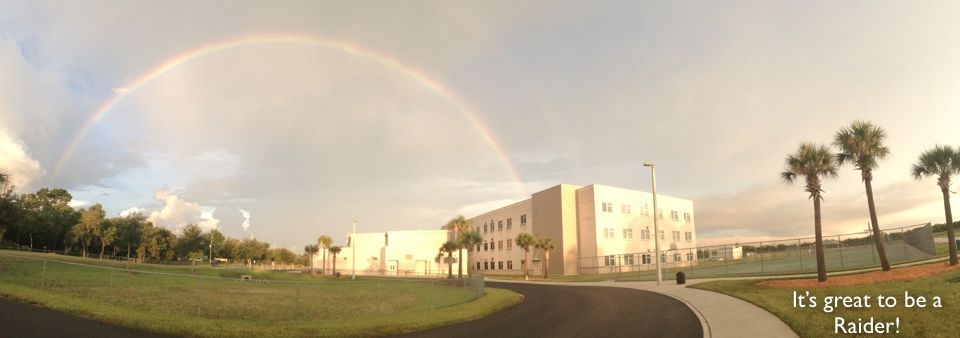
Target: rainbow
254, 40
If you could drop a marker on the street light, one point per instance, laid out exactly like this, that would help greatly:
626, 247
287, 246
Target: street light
353, 244
656, 226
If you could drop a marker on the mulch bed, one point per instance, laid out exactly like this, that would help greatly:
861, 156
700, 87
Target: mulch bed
898, 274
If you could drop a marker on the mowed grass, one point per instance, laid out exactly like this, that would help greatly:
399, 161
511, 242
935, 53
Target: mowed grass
173, 300
806, 322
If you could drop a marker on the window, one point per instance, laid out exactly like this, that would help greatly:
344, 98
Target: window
478, 265
484, 246
484, 227
676, 235
676, 257
607, 207
523, 219
645, 234
509, 223
689, 256
627, 233
645, 212
628, 260
610, 260
500, 265
607, 232
625, 209
486, 266
688, 236
509, 244
674, 215
659, 213
686, 217
663, 258
661, 235
499, 225
509, 265
645, 259
478, 247
499, 245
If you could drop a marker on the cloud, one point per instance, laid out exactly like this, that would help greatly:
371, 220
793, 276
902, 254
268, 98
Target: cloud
75, 203
131, 211
208, 222
176, 212
16, 161
246, 219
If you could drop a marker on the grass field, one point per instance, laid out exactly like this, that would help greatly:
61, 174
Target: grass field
807, 322
214, 302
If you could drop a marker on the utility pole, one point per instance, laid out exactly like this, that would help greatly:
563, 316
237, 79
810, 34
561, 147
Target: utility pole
353, 244
656, 214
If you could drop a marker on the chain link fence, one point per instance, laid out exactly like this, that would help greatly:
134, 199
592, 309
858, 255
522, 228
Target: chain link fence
780, 257
215, 293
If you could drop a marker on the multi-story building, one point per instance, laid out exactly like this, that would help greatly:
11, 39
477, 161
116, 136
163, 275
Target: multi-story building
595, 229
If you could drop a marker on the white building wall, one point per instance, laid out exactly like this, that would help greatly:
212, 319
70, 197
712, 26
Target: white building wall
397, 253
499, 228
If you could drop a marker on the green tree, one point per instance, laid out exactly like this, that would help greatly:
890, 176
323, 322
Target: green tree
129, 231
310, 250
942, 162
813, 162
194, 257
324, 242
526, 241
335, 250
107, 235
7, 206
449, 247
470, 240
216, 239
89, 227
459, 225
546, 245
862, 145
191, 239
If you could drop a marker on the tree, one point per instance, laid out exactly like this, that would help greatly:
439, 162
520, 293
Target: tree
525, 241
449, 247
546, 245
861, 144
459, 225
813, 162
470, 240
7, 198
89, 227
107, 234
324, 242
334, 250
191, 239
942, 162
195, 256
311, 249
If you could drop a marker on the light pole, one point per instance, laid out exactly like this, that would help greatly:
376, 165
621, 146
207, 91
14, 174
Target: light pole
656, 226
353, 244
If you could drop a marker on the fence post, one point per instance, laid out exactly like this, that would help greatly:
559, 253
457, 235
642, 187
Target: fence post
760, 248
800, 254
200, 298
378, 296
725, 259
840, 250
903, 239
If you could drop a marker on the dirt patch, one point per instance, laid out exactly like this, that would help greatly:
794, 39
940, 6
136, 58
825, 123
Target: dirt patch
898, 274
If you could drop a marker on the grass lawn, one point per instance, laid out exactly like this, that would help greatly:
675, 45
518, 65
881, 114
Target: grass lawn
807, 322
213, 302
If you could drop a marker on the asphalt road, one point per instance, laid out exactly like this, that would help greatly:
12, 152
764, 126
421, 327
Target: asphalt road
580, 311
26, 320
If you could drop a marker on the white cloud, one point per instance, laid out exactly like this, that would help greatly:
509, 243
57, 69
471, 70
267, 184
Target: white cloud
208, 222
75, 203
176, 212
246, 219
17, 162
131, 211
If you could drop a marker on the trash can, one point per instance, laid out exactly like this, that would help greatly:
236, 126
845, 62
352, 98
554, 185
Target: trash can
681, 278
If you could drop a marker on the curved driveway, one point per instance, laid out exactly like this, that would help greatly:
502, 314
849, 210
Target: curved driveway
580, 311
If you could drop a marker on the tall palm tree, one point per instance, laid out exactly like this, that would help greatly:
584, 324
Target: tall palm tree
449, 247
525, 241
470, 240
814, 162
459, 225
546, 245
311, 249
943, 162
324, 242
334, 250
861, 144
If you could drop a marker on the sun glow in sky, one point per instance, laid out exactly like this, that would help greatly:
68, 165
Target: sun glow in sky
287, 122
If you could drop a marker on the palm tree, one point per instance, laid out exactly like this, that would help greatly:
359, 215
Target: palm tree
334, 250
449, 247
471, 239
525, 241
459, 225
861, 144
546, 245
941, 161
311, 249
324, 242
813, 162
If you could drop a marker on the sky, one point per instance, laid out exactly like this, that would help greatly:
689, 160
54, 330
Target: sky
285, 121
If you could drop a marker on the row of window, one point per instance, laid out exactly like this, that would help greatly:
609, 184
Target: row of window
616, 260
496, 265
627, 209
609, 233
496, 245
498, 226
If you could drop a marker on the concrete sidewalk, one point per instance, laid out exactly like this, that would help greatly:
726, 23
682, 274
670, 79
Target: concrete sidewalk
720, 315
